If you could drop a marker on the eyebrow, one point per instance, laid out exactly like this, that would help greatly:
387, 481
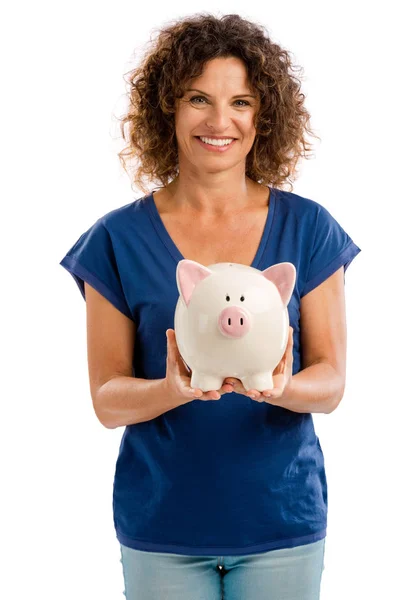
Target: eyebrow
205, 93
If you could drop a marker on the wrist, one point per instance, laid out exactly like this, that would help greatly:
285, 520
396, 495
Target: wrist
171, 398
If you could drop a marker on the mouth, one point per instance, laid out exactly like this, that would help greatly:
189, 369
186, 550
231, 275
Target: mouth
214, 138
216, 148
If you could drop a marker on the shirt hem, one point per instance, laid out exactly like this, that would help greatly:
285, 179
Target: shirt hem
219, 550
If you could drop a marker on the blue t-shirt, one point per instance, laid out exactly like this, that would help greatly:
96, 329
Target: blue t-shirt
231, 477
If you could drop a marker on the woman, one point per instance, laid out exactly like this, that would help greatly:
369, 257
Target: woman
220, 499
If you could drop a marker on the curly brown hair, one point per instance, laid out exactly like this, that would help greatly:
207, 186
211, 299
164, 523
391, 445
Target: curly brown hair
179, 54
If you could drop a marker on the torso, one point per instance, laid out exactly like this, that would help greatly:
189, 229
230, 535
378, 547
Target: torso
221, 240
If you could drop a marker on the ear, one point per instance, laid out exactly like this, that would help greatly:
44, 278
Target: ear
188, 274
283, 275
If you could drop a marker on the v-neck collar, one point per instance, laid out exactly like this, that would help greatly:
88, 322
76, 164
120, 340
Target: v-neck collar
168, 242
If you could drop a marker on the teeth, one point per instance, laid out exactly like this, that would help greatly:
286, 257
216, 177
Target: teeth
216, 142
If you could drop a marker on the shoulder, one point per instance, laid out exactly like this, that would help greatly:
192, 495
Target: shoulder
301, 206
123, 216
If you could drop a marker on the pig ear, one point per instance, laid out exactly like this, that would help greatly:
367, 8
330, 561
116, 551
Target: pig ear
283, 275
188, 274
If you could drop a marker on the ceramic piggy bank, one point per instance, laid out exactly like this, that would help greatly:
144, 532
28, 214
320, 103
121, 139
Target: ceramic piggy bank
231, 320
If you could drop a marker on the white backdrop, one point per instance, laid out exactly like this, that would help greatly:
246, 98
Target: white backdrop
62, 82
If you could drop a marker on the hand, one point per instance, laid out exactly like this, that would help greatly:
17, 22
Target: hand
281, 376
177, 377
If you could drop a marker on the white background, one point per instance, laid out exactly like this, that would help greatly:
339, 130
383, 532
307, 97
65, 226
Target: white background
62, 85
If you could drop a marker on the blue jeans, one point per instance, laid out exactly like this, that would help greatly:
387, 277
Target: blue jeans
284, 574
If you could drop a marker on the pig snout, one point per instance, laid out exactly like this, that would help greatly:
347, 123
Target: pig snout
234, 322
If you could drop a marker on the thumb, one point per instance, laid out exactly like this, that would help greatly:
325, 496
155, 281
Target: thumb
171, 354
171, 344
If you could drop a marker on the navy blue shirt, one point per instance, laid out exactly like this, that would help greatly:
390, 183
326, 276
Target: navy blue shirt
232, 477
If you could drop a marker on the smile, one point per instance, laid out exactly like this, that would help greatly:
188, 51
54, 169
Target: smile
215, 148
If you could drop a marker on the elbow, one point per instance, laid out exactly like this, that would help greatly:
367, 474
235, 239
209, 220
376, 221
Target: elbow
335, 402
332, 407
338, 388
107, 425
101, 417
103, 420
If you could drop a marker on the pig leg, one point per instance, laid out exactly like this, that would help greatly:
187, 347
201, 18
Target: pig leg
258, 381
206, 382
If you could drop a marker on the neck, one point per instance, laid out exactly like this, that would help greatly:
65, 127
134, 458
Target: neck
214, 198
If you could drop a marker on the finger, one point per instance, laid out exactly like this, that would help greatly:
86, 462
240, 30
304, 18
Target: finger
237, 385
171, 349
169, 344
174, 354
227, 388
211, 395
174, 346
168, 334
289, 340
228, 385
200, 395
170, 337
253, 394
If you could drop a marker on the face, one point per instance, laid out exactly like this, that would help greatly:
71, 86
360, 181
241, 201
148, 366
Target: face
223, 108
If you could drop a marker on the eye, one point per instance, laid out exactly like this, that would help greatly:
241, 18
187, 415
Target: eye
227, 298
203, 98
196, 98
241, 298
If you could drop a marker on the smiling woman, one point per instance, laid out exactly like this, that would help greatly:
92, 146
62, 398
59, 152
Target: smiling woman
211, 479
218, 123
182, 67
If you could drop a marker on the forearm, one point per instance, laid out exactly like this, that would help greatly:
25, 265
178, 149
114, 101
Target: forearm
129, 400
315, 389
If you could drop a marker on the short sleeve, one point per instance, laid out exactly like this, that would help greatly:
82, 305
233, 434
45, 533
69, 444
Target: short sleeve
92, 259
331, 249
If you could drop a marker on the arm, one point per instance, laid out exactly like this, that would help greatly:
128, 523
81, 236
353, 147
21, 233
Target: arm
315, 389
319, 386
125, 400
118, 398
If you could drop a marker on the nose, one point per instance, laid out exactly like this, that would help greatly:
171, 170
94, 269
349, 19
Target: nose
218, 119
234, 322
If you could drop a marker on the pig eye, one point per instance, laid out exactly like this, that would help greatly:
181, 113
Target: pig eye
227, 298
241, 298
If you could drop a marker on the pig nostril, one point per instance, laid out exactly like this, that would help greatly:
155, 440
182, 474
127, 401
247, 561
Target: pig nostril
241, 321
234, 322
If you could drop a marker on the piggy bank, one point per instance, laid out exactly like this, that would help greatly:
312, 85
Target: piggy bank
231, 320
